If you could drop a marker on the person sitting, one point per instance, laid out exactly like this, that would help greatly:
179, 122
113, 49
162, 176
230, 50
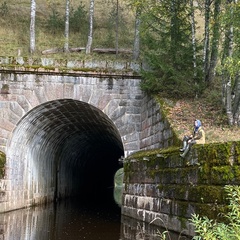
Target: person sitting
198, 137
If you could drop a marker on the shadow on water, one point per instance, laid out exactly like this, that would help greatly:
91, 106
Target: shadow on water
137, 230
73, 220
70, 219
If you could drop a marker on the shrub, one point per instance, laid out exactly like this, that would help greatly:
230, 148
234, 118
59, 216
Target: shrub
208, 229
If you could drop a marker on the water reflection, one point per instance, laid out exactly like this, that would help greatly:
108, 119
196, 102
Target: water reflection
66, 220
137, 230
73, 220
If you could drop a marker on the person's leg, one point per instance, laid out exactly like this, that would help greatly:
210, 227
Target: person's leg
185, 151
187, 148
185, 140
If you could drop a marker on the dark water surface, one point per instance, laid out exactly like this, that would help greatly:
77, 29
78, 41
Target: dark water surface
74, 220
69, 219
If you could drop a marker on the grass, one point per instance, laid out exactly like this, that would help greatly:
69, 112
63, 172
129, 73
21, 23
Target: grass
15, 18
181, 114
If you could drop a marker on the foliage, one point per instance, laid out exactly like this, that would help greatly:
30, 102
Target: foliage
4, 9
208, 229
166, 33
79, 19
111, 25
55, 22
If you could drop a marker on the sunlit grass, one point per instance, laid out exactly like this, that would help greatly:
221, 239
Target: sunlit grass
14, 28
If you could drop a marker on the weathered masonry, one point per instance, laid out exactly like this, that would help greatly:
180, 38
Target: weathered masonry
65, 125
165, 189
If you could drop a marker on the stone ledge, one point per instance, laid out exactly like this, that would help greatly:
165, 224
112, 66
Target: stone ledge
90, 68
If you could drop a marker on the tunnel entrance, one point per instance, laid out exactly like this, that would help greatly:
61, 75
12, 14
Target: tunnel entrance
65, 148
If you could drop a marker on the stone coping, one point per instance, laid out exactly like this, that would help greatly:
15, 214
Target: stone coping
63, 66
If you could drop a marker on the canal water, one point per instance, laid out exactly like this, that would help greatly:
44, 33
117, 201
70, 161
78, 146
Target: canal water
74, 220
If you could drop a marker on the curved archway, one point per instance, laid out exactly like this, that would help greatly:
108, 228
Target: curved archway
63, 148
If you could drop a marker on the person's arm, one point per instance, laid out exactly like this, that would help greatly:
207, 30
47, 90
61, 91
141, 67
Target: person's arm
198, 135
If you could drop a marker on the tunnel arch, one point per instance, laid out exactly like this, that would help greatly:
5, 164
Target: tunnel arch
63, 148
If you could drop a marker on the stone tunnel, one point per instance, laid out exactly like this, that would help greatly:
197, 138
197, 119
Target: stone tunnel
65, 148
63, 135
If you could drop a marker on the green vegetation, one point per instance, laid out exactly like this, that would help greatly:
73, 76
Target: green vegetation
50, 20
169, 51
2, 164
208, 229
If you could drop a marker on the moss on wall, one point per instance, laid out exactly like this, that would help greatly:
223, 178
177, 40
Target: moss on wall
2, 164
198, 180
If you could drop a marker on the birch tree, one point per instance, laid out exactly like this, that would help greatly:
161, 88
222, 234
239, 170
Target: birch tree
117, 26
137, 6
90, 34
32, 26
136, 45
66, 33
229, 71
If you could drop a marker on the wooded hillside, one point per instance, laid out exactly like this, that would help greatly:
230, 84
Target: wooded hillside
50, 19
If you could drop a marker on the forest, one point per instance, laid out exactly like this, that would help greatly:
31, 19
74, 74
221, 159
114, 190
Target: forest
187, 46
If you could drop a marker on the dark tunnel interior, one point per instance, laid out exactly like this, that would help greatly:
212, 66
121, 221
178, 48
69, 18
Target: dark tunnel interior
75, 144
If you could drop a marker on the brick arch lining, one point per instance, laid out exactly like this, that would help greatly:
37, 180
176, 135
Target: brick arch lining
62, 148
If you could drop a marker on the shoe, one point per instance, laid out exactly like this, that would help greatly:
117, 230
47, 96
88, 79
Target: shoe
181, 155
182, 149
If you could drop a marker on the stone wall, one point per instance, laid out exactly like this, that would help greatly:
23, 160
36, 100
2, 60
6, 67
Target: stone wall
48, 107
162, 187
156, 131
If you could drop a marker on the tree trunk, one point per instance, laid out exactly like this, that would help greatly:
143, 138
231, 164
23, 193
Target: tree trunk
90, 35
227, 85
235, 97
136, 46
117, 24
111, 50
193, 38
66, 34
215, 42
32, 26
206, 38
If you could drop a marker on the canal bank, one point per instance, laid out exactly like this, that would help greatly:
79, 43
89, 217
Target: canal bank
162, 188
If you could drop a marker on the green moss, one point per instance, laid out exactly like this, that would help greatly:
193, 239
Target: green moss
215, 162
2, 164
236, 171
210, 211
206, 194
153, 153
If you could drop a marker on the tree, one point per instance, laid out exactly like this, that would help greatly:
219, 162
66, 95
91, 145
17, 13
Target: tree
117, 25
66, 33
193, 38
32, 26
168, 48
215, 43
136, 46
137, 6
206, 38
230, 62
90, 34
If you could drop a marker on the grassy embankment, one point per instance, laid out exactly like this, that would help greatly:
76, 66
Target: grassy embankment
15, 21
